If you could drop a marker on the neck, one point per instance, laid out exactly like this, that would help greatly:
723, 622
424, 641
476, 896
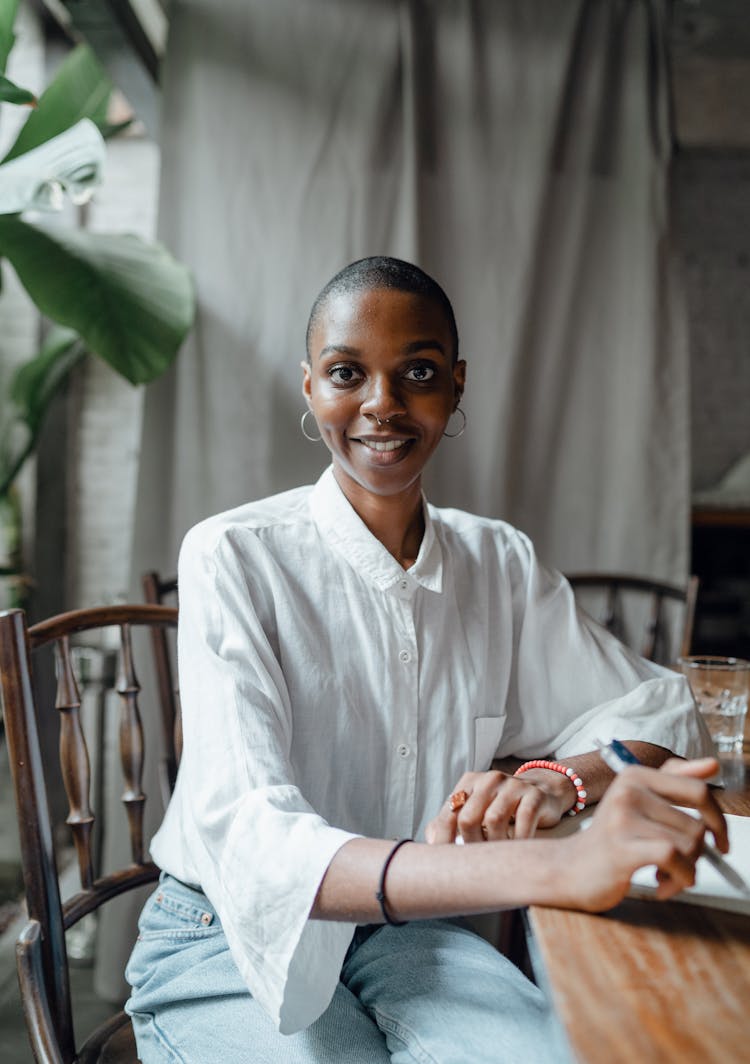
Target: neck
396, 520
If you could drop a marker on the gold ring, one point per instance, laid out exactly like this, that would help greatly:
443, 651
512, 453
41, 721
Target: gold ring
458, 800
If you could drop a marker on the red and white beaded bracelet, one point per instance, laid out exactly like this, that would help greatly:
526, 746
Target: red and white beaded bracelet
572, 775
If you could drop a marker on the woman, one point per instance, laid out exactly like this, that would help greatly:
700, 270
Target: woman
351, 662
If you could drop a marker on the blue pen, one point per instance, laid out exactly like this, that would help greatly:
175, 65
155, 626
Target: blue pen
617, 757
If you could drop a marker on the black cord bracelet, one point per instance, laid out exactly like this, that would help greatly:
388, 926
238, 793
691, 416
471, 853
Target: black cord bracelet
380, 892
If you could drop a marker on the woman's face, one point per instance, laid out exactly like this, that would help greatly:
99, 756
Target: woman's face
381, 354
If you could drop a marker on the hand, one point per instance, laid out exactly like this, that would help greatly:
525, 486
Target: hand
637, 824
497, 800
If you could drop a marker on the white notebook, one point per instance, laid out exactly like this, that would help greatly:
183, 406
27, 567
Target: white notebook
711, 888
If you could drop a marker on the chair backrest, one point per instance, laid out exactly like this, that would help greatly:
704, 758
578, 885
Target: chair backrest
41, 952
654, 640
159, 592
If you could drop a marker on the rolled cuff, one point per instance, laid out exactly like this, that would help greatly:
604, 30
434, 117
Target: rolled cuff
659, 711
295, 977
263, 892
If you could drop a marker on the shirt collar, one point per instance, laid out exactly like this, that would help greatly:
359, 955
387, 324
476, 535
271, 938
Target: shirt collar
346, 532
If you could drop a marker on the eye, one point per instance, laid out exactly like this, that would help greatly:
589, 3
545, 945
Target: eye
420, 373
344, 374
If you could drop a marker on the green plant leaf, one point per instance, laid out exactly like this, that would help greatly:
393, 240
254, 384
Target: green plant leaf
131, 302
35, 383
33, 387
69, 163
80, 89
12, 93
8, 9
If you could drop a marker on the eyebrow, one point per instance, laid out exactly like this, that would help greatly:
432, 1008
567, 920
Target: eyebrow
410, 349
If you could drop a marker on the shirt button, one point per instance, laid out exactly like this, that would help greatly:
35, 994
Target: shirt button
404, 585
403, 750
404, 656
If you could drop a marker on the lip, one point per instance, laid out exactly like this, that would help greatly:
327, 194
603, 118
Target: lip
384, 455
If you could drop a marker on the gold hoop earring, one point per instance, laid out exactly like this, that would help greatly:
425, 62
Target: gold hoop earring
455, 435
312, 439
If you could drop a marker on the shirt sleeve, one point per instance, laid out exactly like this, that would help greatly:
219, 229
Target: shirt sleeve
258, 848
573, 682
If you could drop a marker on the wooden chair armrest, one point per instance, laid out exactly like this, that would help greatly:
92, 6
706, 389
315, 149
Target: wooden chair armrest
34, 996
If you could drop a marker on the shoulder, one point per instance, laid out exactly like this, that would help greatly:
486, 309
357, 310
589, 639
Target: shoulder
458, 527
245, 526
484, 551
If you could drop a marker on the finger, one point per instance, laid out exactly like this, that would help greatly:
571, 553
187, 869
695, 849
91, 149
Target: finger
682, 828
688, 842
499, 816
472, 825
444, 827
527, 813
646, 815
438, 832
471, 817
683, 788
702, 767
675, 871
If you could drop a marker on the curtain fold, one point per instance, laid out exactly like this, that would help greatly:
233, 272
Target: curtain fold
518, 151
596, 456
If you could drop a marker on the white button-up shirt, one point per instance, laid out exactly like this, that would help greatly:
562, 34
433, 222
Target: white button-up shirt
327, 693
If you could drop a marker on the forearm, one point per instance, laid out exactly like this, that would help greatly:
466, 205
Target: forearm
637, 824
429, 881
595, 774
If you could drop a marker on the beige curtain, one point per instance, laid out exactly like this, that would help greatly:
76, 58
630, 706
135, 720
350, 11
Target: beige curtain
517, 150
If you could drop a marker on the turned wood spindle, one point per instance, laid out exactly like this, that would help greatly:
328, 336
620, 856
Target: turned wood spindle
131, 743
74, 760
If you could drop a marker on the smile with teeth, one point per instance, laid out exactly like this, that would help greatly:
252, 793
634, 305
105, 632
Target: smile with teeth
383, 445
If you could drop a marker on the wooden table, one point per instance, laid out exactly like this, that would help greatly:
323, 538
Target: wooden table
647, 982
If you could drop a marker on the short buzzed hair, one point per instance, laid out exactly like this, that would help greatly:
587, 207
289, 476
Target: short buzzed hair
383, 271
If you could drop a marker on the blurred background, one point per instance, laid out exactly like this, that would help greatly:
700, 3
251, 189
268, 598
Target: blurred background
575, 174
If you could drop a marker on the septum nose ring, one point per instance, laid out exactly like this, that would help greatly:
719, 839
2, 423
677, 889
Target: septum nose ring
382, 421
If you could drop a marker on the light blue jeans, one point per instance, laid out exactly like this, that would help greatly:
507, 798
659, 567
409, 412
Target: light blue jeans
431, 991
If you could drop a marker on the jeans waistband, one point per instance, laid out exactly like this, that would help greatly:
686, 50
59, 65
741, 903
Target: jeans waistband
166, 879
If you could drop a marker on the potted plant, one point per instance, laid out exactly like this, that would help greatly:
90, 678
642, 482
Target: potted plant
111, 295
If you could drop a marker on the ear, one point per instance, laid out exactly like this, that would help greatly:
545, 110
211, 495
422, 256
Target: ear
459, 381
306, 380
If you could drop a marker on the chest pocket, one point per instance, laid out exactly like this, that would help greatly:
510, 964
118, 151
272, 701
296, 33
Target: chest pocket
487, 734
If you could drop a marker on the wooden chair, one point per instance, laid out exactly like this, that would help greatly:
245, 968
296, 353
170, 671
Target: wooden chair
156, 591
654, 642
41, 952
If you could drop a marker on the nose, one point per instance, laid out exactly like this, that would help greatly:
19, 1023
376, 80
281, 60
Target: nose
383, 401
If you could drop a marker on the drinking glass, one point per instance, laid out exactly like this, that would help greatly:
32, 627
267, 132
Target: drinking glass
720, 688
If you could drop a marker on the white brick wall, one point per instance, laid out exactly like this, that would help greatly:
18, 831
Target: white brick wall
107, 429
